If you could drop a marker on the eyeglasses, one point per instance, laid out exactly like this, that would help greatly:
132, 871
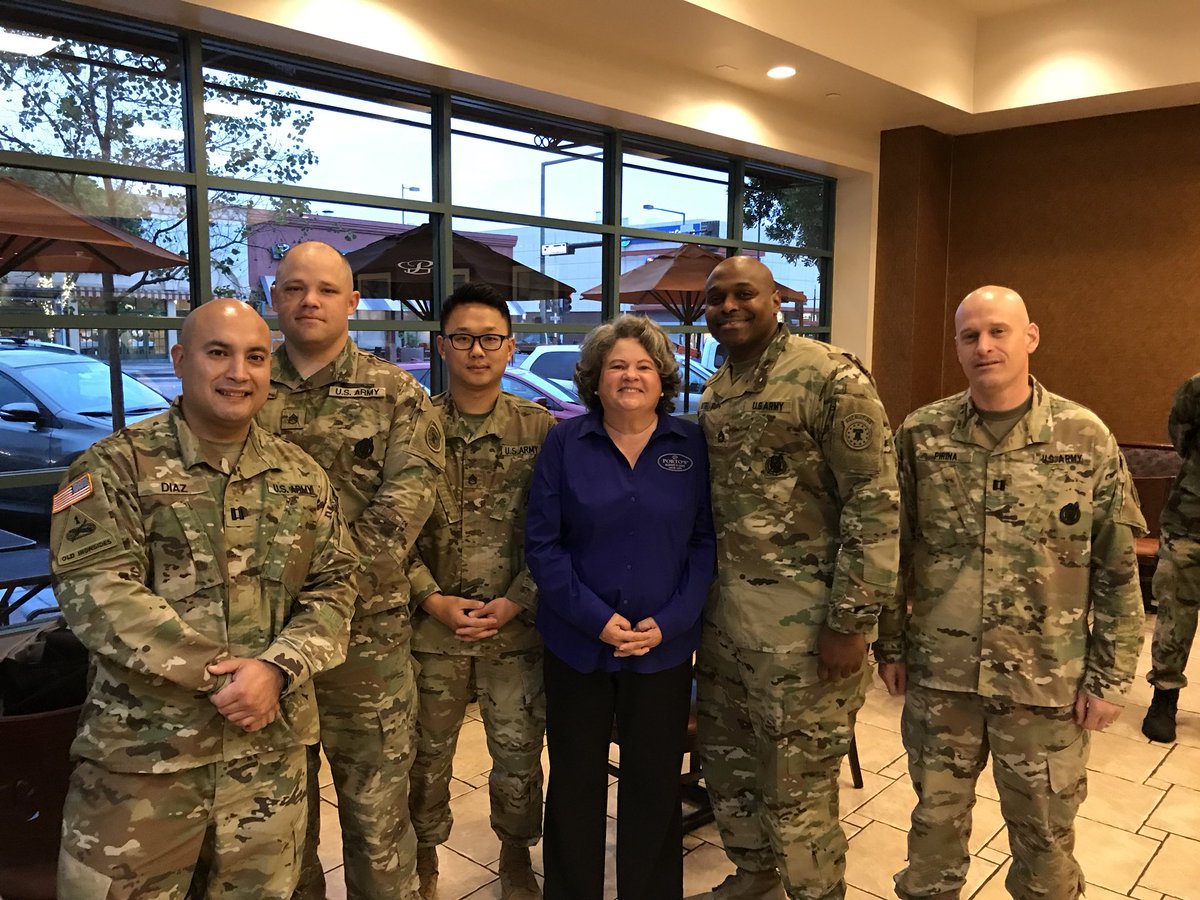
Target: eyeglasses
460, 340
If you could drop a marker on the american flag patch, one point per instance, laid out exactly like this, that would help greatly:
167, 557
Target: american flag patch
79, 489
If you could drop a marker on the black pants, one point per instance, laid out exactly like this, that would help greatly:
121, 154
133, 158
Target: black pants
651, 713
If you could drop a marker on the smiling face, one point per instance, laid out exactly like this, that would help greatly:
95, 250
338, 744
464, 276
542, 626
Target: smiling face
994, 339
477, 368
223, 360
741, 307
629, 380
313, 295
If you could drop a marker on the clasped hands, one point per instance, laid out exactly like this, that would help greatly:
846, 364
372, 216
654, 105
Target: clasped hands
250, 699
631, 640
471, 620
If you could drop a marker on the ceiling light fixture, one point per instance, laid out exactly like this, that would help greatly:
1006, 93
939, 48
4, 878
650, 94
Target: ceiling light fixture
781, 72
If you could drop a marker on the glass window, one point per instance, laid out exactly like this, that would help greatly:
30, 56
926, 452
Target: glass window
787, 208
63, 94
263, 129
674, 192
802, 283
522, 164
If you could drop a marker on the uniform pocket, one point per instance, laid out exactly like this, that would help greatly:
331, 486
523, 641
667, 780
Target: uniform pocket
1067, 768
946, 515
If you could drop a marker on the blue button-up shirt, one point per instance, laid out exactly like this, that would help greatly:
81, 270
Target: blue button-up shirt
604, 538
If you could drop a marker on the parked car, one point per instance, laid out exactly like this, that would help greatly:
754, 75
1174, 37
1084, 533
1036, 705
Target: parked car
563, 404
557, 364
54, 404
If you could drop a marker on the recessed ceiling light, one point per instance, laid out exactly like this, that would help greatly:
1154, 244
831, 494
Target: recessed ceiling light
781, 72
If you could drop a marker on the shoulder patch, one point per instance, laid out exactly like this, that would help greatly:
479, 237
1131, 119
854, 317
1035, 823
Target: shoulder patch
433, 437
79, 489
857, 431
84, 538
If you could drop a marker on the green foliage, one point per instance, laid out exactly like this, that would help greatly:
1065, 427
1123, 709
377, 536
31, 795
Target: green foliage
789, 212
88, 101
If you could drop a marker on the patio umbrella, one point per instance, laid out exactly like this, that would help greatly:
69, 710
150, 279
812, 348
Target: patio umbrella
675, 280
40, 234
407, 259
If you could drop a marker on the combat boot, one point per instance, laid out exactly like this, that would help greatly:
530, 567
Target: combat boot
1159, 724
746, 885
516, 875
427, 872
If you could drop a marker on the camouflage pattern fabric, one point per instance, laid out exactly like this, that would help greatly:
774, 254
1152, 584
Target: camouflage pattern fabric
771, 746
512, 703
1054, 506
472, 545
806, 509
371, 428
804, 498
1039, 761
134, 835
160, 577
1177, 578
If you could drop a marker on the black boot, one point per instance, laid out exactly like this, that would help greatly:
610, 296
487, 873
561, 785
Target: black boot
1159, 724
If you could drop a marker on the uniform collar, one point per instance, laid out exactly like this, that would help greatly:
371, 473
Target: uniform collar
1035, 427
496, 423
722, 381
339, 370
253, 460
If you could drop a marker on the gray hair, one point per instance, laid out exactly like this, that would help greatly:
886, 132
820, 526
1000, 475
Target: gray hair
599, 343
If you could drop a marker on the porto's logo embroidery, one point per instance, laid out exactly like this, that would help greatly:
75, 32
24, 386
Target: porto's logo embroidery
674, 462
857, 431
1069, 514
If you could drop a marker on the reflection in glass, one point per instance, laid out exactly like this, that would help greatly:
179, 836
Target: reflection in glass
802, 289
83, 99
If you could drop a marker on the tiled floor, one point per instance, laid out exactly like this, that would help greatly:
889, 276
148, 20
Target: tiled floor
1138, 834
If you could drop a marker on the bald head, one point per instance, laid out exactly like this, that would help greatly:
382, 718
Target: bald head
317, 253
223, 359
741, 306
994, 339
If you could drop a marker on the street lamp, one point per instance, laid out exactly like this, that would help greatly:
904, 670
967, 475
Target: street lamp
412, 188
677, 212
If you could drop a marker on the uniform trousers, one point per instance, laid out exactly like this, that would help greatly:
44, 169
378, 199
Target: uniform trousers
1039, 759
651, 712
367, 707
771, 744
1177, 595
512, 703
228, 830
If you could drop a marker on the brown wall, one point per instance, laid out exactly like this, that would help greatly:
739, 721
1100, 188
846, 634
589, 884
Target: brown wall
1096, 223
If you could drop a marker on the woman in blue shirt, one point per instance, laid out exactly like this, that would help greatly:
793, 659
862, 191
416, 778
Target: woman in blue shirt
619, 538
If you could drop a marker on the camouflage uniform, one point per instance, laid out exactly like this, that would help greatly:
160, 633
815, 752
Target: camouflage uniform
807, 515
370, 426
1177, 578
1009, 549
164, 566
472, 546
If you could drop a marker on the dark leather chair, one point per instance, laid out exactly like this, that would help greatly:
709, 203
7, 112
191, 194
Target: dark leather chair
35, 767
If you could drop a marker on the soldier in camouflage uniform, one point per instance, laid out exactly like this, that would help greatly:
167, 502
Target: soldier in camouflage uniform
807, 515
203, 563
1177, 578
1018, 560
370, 426
474, 600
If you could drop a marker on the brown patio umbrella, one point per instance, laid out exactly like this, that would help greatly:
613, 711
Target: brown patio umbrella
40, 234
675, 279
407, 259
